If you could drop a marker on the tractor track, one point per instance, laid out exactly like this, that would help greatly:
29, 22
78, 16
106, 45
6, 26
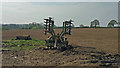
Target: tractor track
78, 56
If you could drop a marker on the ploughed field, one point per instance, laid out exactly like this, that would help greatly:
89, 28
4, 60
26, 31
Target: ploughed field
91, 47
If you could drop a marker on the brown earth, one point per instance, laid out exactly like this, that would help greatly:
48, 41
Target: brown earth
92, 47
105, 39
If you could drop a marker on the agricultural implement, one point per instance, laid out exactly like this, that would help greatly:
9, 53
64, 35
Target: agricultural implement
23, 37
57, 41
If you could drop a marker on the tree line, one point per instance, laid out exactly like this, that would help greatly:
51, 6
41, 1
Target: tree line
34, 25
95, 23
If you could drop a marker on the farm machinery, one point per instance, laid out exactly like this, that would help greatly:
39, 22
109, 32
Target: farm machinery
23, 37
57, 41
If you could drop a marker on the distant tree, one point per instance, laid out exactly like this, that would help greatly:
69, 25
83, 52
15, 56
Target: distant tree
81, 25
5, 28
12, 26
35, 25
94, 23
112, 23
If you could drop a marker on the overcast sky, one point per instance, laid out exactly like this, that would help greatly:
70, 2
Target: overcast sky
60, 0
80, 12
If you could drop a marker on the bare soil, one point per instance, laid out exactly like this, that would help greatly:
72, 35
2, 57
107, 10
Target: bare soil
92, 47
